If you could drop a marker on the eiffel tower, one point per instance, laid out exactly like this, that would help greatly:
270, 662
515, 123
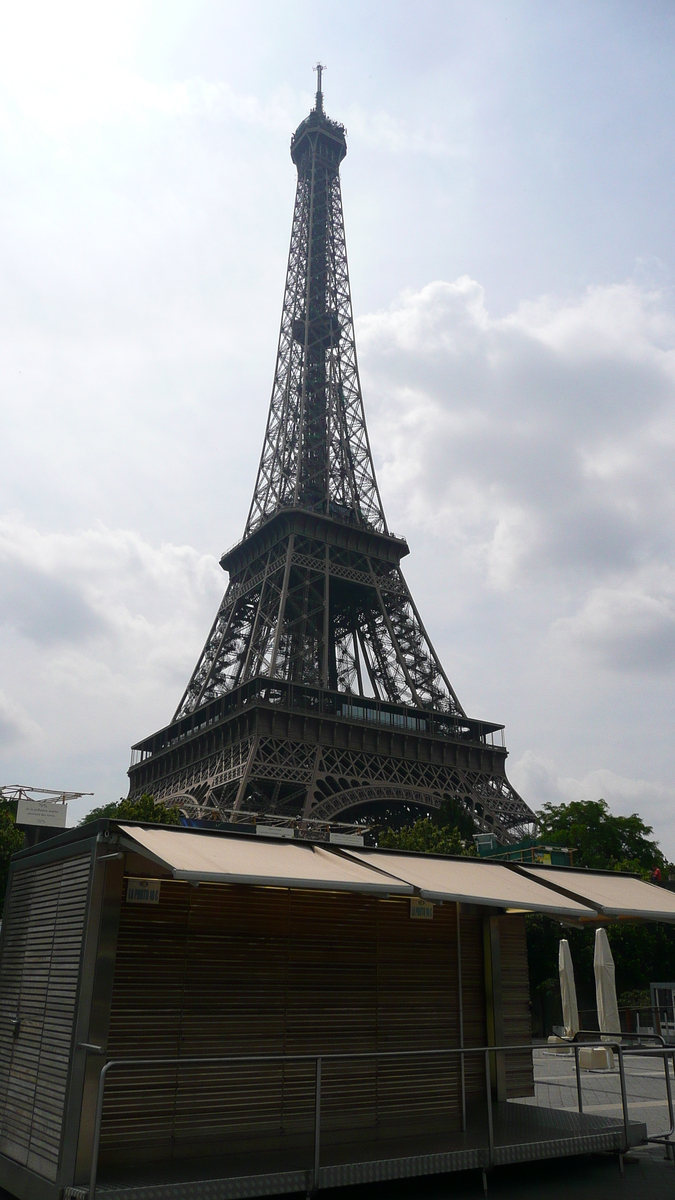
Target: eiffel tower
318, 694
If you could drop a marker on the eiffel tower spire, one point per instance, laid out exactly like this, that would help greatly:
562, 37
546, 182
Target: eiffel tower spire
316, 453
318, 618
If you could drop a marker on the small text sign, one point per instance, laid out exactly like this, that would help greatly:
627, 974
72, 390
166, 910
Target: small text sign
143, 891
44, 813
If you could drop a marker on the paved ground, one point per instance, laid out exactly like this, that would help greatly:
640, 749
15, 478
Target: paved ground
556, 1087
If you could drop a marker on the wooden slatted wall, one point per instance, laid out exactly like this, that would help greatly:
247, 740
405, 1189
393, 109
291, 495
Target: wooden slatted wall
39, 973
473, 992
219, 970
516, 1004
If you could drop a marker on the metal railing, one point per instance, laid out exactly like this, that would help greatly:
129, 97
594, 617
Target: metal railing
660, 1019
605, 1042
665, 1052
318, 701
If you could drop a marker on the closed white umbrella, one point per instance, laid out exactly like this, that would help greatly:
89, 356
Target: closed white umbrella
605, 986
568, 990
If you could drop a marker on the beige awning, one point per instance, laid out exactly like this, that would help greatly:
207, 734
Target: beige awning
201, 856
472, 881
610, 893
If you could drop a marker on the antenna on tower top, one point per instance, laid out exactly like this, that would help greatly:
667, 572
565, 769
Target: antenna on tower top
319, 68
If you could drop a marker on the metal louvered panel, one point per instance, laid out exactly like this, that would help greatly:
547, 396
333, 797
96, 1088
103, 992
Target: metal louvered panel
516, 1005
43, 933
223, 970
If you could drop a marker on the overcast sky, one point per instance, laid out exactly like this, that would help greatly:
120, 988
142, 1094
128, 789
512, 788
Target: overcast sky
509, 192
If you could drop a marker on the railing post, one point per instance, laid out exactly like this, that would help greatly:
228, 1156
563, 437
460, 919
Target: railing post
488, 1096
669, 1094
317, 1125
624, 1097
463, 1081
578, 1070
97, 1131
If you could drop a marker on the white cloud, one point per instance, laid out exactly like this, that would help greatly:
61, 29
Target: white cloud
630, 627
99, 585
78, 66
542, 782
384, 131
101, 631
16, 726
543, 444
116, 94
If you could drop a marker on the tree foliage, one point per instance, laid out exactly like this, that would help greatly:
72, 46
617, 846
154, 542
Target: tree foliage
143, 809
425, 837
601, 840
11, 841
641, 953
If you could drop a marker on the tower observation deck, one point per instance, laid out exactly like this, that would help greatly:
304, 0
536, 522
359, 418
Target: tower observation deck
318, 694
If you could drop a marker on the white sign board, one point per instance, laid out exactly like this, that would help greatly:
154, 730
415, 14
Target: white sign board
421, 909
44, 813
280, 831
143, 891
346, 839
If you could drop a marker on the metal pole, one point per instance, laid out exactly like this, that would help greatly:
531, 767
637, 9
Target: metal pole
669, 1094
97, 1130
624, 1097
578, 1070
488, 1093
461, 1018
317, 1124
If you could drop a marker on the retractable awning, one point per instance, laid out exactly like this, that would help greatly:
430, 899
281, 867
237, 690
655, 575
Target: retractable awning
610, 893
200, 856
472, 881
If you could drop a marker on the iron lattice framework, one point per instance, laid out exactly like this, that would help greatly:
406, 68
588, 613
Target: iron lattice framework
318, 645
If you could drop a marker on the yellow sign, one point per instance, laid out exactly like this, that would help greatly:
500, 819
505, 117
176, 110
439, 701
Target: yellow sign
421, 909
540, 857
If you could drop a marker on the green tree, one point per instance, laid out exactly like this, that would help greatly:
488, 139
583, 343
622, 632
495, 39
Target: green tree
425, 837
143, 809
11, 841
599, 839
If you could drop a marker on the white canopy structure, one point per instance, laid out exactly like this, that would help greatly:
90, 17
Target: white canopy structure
200, 856
438, 878
568, 989
570, 895
611, 893
605, 986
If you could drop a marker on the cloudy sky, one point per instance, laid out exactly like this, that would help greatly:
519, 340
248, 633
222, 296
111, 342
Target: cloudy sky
509, 194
